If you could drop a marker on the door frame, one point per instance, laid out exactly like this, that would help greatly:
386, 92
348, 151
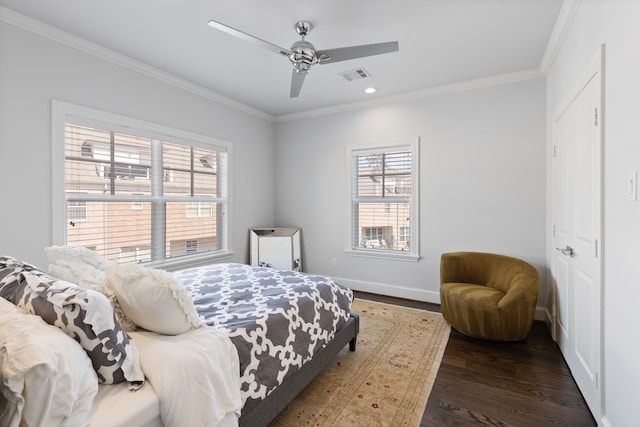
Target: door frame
596, 65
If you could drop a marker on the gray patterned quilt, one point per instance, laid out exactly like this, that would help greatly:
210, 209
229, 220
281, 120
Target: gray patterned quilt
276, 319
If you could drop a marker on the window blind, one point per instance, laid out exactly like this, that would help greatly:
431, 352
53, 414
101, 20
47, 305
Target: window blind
382, 198
139, 199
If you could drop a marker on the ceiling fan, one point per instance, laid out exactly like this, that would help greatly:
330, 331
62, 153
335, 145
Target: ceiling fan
303, 54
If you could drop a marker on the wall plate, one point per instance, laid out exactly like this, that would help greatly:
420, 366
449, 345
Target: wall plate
632, 186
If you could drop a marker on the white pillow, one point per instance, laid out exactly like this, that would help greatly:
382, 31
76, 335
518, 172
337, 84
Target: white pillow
153, 299
47, 378
77, 265
85, 268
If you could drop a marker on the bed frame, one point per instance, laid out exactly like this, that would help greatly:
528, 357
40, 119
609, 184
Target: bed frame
265, 411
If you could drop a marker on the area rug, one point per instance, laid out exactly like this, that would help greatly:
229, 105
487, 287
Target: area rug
385, 382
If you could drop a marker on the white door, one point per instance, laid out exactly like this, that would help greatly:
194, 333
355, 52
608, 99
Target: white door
577, 231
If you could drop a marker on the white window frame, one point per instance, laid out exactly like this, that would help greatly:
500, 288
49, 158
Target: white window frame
64, 112
353, 150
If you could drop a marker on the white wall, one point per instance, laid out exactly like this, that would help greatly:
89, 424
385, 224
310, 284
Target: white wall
33, 70
614, 23
482, 182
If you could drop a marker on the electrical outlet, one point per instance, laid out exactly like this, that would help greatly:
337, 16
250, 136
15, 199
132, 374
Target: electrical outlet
334, 262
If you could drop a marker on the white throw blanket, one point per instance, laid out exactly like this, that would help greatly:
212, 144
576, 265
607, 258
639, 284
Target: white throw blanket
195, 374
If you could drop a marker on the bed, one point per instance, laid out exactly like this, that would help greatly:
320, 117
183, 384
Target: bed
254, 305
273, 331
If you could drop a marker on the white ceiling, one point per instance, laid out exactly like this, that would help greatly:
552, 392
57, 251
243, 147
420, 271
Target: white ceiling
442, 42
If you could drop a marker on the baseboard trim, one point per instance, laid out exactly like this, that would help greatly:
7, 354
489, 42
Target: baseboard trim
391, 290
541, 313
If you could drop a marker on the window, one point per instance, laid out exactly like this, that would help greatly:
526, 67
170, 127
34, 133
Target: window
199, 210
77, 211
404, 237
137, 205
132, 182
384, 200
191, 246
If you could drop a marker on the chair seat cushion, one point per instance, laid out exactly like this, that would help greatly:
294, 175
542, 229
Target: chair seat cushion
473, 309
480, 294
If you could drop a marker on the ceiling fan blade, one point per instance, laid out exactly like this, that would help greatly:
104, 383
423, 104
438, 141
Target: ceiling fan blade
297, 78
248, 37
345, 53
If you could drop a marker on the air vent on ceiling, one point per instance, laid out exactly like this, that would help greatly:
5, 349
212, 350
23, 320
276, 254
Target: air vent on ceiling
357, 74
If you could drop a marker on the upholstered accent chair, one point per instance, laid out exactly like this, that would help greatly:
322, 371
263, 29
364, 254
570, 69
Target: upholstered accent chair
488, 296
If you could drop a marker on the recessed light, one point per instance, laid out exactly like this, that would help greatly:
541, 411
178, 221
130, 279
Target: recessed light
370, 90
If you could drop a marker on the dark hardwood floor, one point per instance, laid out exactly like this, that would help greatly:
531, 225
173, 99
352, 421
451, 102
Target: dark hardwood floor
522, 384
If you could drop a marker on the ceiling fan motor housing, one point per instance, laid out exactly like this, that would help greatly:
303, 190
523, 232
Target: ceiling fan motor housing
303, 55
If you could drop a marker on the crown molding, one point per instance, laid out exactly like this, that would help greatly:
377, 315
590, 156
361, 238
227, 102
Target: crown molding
19, 20
560, 29
497, 80
50, 32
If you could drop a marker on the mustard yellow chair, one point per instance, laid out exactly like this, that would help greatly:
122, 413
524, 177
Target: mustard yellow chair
488, 296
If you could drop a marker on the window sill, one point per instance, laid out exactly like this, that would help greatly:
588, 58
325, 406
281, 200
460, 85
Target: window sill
182, 263
380, 254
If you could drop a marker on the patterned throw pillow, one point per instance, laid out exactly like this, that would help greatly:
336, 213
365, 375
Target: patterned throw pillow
85, 268
85, 315
10, 269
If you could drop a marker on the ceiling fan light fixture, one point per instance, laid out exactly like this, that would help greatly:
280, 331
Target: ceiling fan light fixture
370, 90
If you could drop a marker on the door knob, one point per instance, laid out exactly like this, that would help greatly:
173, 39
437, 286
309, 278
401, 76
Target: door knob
567, 251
